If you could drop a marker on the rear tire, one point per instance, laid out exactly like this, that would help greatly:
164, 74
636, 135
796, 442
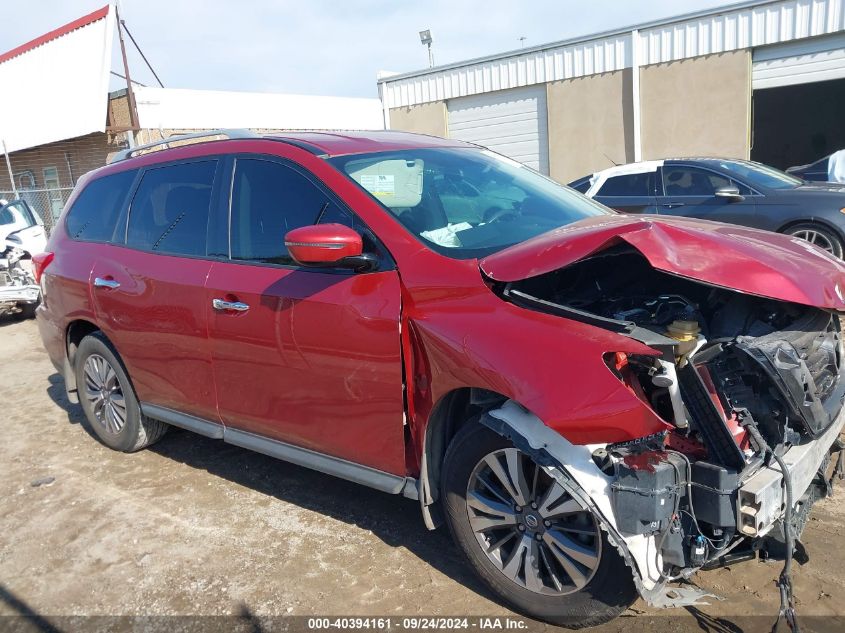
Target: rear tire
108, 398
571, 592
818, 235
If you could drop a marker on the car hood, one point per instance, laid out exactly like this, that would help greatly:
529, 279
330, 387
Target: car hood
743, 259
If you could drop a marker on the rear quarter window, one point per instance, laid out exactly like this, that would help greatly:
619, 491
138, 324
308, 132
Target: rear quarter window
582, 184
95, 212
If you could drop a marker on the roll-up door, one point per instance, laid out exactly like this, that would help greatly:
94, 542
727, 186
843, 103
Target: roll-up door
804, 61
511, 122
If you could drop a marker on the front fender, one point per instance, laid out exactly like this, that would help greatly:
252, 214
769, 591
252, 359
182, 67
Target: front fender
551, 365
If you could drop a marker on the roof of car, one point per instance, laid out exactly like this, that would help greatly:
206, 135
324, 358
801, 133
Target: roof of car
649, 165
344, 143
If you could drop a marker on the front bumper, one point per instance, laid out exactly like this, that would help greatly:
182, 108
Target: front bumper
762, 498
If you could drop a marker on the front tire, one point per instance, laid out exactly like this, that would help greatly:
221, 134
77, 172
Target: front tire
818, 235
108, 399
529, 540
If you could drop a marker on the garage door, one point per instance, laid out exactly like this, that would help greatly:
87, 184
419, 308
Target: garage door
804, 61
511, 122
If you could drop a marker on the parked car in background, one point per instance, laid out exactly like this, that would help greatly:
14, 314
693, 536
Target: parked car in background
828, 169
553, 380
22, 235
725, 190
18, 220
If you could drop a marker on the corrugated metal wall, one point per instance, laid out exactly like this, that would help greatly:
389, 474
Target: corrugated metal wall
746, 26
804, 61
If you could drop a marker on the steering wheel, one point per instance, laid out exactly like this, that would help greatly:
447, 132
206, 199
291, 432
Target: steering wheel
494, 214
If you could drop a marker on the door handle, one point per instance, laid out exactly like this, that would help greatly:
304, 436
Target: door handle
672, 205
236, 306
99, 282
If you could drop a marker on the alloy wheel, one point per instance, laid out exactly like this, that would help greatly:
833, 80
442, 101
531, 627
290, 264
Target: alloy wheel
105, 394
529, 527
818, 239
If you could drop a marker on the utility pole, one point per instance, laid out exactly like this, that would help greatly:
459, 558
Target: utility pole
130, 95
9, 167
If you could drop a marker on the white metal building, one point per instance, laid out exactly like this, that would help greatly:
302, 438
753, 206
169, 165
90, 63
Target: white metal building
761, 78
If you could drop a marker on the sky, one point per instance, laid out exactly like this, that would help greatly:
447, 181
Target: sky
324, 47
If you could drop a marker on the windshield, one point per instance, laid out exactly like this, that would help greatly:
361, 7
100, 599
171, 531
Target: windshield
760, 175
466, 202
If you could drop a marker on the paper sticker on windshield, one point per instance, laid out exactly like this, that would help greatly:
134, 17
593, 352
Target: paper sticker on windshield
379, 184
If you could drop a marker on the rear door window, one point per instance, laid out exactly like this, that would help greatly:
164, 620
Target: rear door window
628, 185
17, 213
581, 185
169, 212
95, 212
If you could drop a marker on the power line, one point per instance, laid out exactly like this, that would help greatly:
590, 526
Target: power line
138, 48
137, 83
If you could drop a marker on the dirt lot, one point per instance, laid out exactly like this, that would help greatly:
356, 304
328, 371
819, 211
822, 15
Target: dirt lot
196, 527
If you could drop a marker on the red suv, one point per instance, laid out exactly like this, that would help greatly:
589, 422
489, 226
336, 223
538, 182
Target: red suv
596, 404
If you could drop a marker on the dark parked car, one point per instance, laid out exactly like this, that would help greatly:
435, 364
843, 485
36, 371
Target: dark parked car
725, 190
593, 403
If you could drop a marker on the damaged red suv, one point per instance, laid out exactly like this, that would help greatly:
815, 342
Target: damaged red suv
595, 404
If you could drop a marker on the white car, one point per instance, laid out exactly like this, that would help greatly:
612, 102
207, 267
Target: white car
22, 226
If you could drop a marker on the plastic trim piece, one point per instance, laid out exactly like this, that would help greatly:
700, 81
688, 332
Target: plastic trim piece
371, 477
627, 328
573, 468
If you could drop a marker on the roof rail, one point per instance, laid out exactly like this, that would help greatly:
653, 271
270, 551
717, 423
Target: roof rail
230, 134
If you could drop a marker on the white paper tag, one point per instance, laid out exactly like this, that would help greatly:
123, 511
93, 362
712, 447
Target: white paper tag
379, 184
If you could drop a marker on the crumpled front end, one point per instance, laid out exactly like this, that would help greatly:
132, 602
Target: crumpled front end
17, 285
749, 384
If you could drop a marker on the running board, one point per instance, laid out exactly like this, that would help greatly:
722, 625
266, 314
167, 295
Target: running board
371, 477
378, 479
200, 426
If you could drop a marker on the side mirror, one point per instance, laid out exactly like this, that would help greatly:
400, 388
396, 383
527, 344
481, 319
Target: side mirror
329, 245
730, 192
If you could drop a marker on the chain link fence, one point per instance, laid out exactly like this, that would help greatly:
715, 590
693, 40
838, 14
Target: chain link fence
47, 203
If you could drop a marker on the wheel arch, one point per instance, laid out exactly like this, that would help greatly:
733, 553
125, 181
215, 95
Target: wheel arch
76, 330
452, 411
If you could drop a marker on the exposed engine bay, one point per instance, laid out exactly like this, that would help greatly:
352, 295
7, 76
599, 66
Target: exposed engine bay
749, 388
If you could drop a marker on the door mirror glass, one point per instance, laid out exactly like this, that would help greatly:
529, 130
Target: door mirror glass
328, 245
730, 192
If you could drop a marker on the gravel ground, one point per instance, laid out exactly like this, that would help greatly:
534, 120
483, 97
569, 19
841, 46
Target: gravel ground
195, 527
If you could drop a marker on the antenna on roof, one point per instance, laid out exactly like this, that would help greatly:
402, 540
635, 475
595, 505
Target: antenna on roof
615, 164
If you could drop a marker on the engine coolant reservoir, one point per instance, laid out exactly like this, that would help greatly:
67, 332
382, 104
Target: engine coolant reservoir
686, 333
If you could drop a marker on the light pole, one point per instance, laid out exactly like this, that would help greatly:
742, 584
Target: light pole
425, 39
